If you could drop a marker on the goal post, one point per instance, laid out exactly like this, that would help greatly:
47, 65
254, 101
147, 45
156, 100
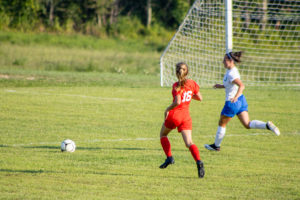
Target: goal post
267, 31
228, 23
162, 64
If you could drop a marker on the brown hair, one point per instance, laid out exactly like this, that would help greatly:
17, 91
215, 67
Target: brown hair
182, 71
235, 56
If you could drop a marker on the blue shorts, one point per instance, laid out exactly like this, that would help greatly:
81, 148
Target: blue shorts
232, 109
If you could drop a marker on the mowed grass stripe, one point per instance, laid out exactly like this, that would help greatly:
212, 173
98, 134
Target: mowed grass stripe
258, 167
147, 139
68, 95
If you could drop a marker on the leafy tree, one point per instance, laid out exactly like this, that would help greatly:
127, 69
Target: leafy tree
21, 12
170, 13
75, 14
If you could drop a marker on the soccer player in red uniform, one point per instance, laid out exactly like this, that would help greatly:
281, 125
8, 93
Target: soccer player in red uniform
177, 116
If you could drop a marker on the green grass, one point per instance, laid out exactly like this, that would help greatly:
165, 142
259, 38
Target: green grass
115, 119
31, 78
51, 58
46, 52
80, 41
111, 162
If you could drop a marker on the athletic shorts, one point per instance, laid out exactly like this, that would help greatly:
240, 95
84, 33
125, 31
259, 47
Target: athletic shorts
180, 120
232, 109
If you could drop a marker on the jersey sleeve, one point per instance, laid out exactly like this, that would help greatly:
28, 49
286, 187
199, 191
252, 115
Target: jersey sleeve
174, 91
196, 88
234, 74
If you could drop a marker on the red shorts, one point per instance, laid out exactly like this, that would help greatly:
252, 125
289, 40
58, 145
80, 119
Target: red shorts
180, 119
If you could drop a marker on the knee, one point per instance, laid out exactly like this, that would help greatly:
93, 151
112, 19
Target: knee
247, 126
161, 135
163, 132
188, 144
220, 122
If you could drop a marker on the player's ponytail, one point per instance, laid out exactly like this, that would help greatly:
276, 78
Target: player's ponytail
235, 56
181, 73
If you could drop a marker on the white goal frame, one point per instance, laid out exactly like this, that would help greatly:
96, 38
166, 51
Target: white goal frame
262, 64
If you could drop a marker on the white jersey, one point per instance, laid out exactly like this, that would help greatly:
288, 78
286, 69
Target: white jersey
231, 88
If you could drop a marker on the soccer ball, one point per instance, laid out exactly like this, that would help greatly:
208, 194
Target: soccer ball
68, 145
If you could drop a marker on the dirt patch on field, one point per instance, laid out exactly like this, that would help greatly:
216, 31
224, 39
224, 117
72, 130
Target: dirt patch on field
30, 78
5, 76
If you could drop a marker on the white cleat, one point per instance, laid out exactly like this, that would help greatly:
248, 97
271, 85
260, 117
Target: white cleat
273, 128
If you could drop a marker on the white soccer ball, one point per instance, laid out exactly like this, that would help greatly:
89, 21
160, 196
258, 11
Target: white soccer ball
68, 145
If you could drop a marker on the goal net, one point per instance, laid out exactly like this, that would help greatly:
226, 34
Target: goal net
267, 31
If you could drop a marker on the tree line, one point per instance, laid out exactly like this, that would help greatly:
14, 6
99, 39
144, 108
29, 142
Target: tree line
96, 17
127, 18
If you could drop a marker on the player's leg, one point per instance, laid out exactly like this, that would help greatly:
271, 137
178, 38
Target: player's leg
228, 112
187, 138
244, 119
219, 134
165, 143
256, 124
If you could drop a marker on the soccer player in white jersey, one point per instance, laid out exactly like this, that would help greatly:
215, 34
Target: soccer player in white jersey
235, 103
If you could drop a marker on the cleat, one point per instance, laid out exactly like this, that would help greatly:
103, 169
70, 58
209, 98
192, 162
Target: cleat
168, 161
212, 147
273, 128
200, 167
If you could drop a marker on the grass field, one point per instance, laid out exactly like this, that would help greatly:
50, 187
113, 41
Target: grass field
115, 119
42, 52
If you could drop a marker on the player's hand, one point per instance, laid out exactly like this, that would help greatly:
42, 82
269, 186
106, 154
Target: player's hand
234, 99
217, 86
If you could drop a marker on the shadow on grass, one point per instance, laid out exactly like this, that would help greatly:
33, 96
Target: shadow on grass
41, 147
58, 148
143, 175
99, 148
132, 149
107, 173
92, 148
24, 171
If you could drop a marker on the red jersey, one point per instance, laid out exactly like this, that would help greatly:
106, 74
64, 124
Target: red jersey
179, 116
186, 93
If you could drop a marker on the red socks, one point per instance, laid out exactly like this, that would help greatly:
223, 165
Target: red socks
195, 152
166, 146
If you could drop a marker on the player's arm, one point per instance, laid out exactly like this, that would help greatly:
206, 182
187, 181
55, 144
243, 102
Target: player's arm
239, 83
197, 96
174, 104
218, 86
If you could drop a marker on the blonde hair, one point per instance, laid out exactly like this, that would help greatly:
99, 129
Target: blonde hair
182, 71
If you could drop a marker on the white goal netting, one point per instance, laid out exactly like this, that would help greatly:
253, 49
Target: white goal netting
267, 31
